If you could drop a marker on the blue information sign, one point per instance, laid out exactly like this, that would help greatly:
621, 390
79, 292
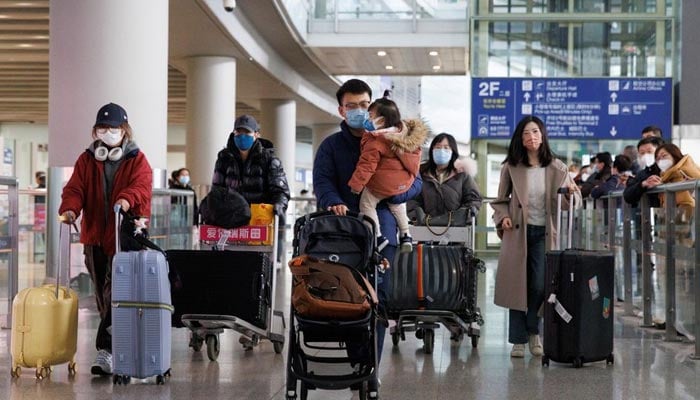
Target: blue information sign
572, 108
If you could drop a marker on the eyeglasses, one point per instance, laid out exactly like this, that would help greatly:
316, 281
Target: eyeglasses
351, 106
104, 131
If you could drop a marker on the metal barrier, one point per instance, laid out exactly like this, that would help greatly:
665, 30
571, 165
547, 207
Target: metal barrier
173, 218
12, 184
665, 240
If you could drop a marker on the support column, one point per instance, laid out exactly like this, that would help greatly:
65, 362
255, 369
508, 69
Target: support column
320, 132
211, 110
278, 123
103, 51
93, 62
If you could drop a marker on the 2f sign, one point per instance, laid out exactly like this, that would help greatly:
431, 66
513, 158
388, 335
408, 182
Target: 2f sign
488, 89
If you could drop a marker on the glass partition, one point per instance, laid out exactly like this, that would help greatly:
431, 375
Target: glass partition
389, 9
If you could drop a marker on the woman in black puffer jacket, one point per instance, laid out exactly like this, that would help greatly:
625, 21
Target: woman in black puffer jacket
446, 187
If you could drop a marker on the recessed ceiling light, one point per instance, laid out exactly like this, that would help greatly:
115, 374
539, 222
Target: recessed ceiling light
3, 16
389, 67
24, 45
436, 67
381, 53
433, 53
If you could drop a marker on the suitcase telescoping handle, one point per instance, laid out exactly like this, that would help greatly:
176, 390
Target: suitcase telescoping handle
117, 223
570, 218
63, 231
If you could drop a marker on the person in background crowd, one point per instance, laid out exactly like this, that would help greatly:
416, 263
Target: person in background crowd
40, 179
180, 179
648, 177
111, 171
583, 174
631, 153
618, 178
248, 165
446, 186
528, 229
305, 206
335, 163
601, 167
573, 170
651, 130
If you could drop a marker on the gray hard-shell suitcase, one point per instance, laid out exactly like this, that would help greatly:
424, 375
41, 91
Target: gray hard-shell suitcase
141, 314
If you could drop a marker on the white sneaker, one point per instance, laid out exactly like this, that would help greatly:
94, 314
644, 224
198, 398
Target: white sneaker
518, 351
535, 345
102, 364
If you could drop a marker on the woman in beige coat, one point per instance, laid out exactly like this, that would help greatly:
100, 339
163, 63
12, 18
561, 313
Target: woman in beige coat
525, 214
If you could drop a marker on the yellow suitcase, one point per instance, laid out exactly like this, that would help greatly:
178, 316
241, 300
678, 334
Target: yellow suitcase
44, 329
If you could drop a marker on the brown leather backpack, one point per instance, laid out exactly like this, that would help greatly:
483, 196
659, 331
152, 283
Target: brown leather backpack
327, 290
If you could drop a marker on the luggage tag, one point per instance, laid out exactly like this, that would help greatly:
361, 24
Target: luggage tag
221, 243
559, 308
593, 287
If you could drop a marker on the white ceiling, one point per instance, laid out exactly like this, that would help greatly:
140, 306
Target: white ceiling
24, 47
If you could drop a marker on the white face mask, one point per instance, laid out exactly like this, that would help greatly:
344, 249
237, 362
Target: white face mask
664, 164
585, 176
110, 137
647, 160
572, 174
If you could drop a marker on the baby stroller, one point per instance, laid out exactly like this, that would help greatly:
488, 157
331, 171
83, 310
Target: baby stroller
335, 354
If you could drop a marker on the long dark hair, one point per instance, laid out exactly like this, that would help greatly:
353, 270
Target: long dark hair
516, 151
432, 167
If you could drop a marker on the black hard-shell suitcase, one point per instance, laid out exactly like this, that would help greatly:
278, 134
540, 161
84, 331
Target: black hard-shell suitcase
222, 283
449, 279
578, 311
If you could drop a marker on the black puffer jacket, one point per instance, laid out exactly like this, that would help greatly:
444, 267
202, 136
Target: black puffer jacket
260, 179
459, 190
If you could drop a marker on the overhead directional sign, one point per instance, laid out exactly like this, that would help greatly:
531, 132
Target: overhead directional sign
572, 108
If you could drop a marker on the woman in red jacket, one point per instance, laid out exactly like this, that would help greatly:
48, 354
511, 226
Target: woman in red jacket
111, 171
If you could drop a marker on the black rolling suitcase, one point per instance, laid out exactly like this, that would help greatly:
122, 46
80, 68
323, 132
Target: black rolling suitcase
222, 283
578, 309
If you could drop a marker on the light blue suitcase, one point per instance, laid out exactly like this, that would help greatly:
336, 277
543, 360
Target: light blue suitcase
141, 316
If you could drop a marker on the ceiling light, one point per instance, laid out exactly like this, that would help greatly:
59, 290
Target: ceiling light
24, 45
433, 53
381, 53
389, 67
3, 16
436, 67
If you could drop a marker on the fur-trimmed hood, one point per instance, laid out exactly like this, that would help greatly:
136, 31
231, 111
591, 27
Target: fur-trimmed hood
410, 137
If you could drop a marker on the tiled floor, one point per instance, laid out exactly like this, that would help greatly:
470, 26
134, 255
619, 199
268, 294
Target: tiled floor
645, 367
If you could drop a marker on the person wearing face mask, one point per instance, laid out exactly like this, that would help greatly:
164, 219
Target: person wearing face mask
111, 171
446, 186
248, 165
388, 165
648, 177
583, 174
601, 167
334, 164
618, 178
525, 213
676, 167
180, 179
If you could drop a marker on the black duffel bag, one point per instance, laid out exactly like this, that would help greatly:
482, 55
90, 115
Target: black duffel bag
224, 208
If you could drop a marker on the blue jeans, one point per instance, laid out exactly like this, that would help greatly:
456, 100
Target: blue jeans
522, 324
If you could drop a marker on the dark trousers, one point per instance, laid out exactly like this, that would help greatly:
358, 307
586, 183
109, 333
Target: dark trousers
522, 324
100, 267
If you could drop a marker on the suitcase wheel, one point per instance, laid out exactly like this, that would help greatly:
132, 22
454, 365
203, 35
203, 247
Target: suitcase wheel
610, 360
121, 379
43, 372
278, 347
160, 380
72, 368
545, 361
578, 362
16, 371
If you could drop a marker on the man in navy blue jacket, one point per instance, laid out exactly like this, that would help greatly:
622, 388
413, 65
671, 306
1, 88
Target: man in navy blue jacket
334, 164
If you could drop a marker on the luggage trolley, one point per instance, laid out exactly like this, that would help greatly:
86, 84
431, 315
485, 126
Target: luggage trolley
229, 250
465, 317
